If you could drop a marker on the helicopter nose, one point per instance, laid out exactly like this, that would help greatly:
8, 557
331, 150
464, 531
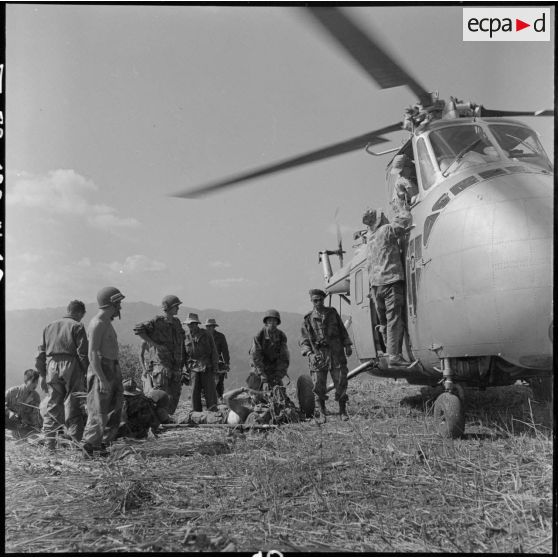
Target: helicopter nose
491, 270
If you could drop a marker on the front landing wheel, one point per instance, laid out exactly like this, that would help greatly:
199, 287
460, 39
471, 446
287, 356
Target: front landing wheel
305, 394
449, 415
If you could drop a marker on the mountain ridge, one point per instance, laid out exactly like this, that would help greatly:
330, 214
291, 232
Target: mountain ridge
24, 331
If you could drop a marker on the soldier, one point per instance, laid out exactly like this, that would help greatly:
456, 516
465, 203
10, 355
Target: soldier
146, 360
387, 278
202, 363
22, 405
104, 378
165, 336
269, 354
223, 351
327, 344
260, 407
406, 189
141, 411
62, 363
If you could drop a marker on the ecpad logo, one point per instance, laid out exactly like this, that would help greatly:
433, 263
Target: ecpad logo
506, 24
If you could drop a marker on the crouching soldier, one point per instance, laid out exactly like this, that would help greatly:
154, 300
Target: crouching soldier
326, 343
142, 412
269, 354
22, 406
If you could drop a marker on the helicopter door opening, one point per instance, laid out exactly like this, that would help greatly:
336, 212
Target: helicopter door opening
364, 317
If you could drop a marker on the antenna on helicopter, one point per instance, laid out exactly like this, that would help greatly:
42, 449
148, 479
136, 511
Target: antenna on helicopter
340, 250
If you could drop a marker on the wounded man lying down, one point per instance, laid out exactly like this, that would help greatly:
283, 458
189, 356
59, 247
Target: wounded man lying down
255, 407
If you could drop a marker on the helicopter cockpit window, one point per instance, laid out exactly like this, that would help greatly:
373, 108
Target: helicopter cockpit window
460, 147
521, 144
426, 168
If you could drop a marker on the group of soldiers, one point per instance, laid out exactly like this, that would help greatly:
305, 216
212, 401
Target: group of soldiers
73, 364
88, 402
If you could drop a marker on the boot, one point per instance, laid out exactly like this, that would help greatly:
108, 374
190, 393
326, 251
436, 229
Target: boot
343, 410
320, 411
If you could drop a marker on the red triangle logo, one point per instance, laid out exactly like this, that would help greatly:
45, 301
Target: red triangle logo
519, 25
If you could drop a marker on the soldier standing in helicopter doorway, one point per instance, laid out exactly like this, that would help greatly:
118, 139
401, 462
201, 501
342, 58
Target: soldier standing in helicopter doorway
386, 276
165, 335
223, 351
327, 344
104, 377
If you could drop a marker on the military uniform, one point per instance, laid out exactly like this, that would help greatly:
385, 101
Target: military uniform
63, 360
325, 335
269, 356
224, 360
202, 362
104, 409
166, 361
387, 279
25, 403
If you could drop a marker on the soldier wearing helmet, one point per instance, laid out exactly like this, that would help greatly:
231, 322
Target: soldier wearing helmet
165, 336
104, 378
326, 343
62, 362
269, 355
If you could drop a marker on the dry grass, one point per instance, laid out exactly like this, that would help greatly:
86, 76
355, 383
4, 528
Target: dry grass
382, 482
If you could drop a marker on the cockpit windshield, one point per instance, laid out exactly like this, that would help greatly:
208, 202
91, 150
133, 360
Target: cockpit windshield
520, 144
460, 147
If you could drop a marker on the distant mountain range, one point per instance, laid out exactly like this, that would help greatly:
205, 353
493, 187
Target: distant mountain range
24, 331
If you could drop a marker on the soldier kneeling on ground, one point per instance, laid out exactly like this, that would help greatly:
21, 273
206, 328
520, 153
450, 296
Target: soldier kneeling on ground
142, 412
256, 407
22, 406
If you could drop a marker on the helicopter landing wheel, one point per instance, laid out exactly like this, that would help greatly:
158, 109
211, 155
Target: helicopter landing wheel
305, 395
449, 415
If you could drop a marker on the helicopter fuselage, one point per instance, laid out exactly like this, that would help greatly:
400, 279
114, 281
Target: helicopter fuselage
478, 256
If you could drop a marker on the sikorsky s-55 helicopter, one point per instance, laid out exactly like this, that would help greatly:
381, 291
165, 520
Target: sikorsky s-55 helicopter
478, 253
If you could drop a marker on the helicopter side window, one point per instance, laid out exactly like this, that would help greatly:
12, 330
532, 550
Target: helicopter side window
427, 172
521, 144
359, 293
460, 147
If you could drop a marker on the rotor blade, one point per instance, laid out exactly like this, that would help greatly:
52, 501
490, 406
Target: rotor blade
359, 142
492, 112
367, 52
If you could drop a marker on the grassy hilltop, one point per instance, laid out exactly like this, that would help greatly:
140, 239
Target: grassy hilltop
381, 482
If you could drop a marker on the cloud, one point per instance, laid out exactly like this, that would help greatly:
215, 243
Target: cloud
137, 263
219, 264
65, 192
29, 258
231, 282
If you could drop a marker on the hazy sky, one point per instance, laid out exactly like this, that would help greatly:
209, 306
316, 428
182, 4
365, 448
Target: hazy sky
111, 108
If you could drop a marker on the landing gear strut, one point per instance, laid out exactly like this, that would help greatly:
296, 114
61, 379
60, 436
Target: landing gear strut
449, 412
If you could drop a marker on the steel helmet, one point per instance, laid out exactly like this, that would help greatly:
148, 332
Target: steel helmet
109, 296
169, 301
272, 314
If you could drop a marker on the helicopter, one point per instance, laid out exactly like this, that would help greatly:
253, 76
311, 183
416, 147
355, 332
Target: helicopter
477, 255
